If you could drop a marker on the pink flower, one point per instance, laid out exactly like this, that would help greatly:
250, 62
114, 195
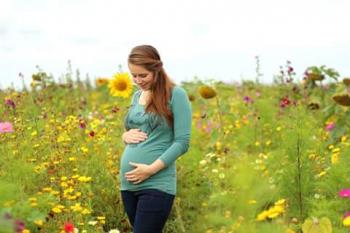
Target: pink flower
330, 126
19, 226
344, 193
6, 127
9, 102
347, 214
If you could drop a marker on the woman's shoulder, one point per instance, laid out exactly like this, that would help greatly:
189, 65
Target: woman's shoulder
178, 92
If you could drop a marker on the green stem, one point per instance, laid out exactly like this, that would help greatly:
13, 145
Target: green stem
299, 179
219, 113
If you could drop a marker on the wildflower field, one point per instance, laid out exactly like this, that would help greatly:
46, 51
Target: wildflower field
263, 158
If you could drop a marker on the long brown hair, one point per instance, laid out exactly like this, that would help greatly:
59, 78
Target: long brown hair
148, 57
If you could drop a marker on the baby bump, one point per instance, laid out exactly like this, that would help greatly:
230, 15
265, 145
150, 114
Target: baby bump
137, 154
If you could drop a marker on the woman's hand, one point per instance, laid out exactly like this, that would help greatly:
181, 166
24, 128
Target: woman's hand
140, 173
134, 136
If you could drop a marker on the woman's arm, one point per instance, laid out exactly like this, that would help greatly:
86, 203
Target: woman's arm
182, 115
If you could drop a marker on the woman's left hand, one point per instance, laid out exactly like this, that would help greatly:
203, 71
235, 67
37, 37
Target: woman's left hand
139, 174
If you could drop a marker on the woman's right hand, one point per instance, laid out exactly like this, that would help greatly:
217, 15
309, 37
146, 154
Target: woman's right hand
134, 136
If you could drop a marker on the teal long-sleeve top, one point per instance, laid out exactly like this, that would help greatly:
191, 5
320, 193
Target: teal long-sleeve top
163, 142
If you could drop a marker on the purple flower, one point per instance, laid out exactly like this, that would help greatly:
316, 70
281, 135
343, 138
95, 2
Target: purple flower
247, 99
330, 126
344, 193
19, 226
9, 102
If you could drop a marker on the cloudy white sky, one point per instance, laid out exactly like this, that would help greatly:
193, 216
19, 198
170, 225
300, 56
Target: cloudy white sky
209, 39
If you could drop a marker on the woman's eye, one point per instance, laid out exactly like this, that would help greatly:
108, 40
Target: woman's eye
140, 76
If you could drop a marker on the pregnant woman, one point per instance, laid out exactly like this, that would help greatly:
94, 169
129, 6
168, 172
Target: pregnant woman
158, 129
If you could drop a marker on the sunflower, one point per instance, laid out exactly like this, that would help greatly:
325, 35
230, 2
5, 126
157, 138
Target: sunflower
342, 99
120, 85
346, 81
315, 76
101, 81
207, 92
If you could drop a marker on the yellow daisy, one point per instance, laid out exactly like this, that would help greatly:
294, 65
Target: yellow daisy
120, 85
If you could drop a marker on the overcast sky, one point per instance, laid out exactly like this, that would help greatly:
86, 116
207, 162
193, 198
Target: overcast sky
209, 39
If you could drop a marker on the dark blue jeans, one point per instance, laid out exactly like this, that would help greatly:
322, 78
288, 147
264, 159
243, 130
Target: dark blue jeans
147, 209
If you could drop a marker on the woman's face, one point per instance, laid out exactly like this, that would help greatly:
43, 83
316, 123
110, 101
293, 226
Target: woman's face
142, 77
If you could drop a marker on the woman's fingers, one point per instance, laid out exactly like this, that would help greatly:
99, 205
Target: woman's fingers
132, 178
136, 136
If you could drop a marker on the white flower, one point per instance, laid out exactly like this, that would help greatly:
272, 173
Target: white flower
203, 162
114, 231
92, 223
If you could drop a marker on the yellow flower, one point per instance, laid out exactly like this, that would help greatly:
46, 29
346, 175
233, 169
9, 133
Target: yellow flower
68, 190
273, 211
57, 209
342, 99
281, 202
207, 92
344, 138
335, 150
335, 158
39, 222
47, 189
346, 221
84, 149
86, 211
262, 216
120, 85
76, 208
33, 204
84, 179
32, 199
101, 219
322, 174
101, 81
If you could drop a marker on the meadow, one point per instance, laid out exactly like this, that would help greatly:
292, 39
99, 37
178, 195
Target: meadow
263, 158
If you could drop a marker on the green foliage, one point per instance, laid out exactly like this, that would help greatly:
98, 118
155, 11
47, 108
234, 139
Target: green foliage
244, 157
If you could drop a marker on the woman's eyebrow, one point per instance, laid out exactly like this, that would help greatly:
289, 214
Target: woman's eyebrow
139, 74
